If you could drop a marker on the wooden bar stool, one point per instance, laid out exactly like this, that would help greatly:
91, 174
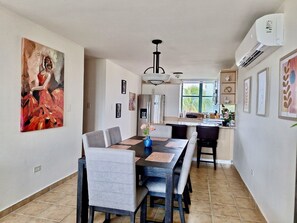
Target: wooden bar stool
179, 131
207, 137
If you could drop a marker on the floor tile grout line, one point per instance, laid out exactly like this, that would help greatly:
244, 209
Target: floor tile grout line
33, 216
233, 197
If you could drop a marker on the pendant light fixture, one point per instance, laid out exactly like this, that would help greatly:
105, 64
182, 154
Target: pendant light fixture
155, 77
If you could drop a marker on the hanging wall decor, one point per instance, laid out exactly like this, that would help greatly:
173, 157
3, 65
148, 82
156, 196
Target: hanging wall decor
42, 93
123, 86
288, 86
132, 97
262, 91
247, 95
118, 110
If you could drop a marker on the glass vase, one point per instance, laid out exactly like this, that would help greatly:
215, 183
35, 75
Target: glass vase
148, 142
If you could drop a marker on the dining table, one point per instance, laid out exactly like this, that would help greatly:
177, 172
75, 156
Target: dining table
159, 160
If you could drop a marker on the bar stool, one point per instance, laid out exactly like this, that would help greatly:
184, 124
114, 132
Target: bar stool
207, 137
179, 131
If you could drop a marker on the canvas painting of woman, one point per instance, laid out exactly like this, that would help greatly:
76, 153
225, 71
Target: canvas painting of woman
42, 94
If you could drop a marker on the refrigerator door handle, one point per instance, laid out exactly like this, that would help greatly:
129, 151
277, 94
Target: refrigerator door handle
148, 105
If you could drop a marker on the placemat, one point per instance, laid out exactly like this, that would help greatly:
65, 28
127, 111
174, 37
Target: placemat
130, 141
173, 144
160, 157
120, 146
159, 139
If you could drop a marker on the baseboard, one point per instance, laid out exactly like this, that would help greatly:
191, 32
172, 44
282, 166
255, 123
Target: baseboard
34, 196
217, 161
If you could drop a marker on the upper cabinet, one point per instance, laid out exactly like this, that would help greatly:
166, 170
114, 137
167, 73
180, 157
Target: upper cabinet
228, 86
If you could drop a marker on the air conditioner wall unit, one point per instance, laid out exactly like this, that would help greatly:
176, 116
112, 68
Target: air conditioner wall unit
264, 37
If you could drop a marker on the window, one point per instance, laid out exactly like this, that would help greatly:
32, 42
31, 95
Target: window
198, 96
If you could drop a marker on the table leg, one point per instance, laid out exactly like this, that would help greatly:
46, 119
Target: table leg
169, 198
82, 193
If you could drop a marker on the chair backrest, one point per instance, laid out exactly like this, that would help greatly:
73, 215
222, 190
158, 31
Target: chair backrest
208, 132
164, 131
111, 178
94, 139
179, 131
186, 166
113, 135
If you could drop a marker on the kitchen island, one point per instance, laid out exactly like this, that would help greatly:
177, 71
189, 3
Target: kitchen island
225, 142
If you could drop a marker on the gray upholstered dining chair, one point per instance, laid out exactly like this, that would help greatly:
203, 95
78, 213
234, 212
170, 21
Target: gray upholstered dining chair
94, 139
164, 131
113, 135
157, 186
112, 183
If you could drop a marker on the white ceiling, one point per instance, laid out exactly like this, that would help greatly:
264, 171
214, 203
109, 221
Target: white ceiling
199, 36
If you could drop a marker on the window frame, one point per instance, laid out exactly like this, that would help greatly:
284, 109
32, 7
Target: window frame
200, 93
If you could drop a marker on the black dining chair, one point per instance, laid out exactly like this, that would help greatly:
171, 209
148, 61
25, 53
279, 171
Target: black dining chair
207, 137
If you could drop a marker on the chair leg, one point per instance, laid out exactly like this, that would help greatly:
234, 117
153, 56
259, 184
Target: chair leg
91, 215
152, 201
107, 218
198, 155
187, 195
132, 217
180, 208
143, 211
186, 199
214, 151
189, 184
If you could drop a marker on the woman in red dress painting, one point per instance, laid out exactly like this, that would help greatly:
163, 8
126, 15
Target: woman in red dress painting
43, 109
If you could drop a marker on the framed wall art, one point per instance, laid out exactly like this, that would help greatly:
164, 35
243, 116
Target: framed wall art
132, 97
123, 86
262, 91
247, 94
42, 87
288, 86
118, 110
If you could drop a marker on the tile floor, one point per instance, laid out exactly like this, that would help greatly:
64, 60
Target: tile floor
218, 196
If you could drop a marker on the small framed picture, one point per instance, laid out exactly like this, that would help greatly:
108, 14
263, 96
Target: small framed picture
124, 86
132, 97
262, 77
288, 86
247, 95
118, 110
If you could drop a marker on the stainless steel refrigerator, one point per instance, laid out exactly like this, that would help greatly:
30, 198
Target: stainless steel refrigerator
150, 110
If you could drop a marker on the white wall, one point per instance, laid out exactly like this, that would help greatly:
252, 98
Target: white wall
94, 96
267, 145
56, 150
172, 95
103, 91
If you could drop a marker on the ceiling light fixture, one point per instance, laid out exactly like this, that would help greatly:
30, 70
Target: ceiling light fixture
155, 78
177, 74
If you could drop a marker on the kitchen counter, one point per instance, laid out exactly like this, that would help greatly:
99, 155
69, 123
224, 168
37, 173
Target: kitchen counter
225, 141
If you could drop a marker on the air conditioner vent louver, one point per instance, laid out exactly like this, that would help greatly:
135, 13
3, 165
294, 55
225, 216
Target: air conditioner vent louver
258, 42
248, 61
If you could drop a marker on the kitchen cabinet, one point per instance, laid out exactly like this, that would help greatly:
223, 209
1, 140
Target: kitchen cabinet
228, 86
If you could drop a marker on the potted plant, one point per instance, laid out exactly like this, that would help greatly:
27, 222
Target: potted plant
147, 128
226, 116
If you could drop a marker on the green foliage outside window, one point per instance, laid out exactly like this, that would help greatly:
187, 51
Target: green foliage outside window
198, 97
